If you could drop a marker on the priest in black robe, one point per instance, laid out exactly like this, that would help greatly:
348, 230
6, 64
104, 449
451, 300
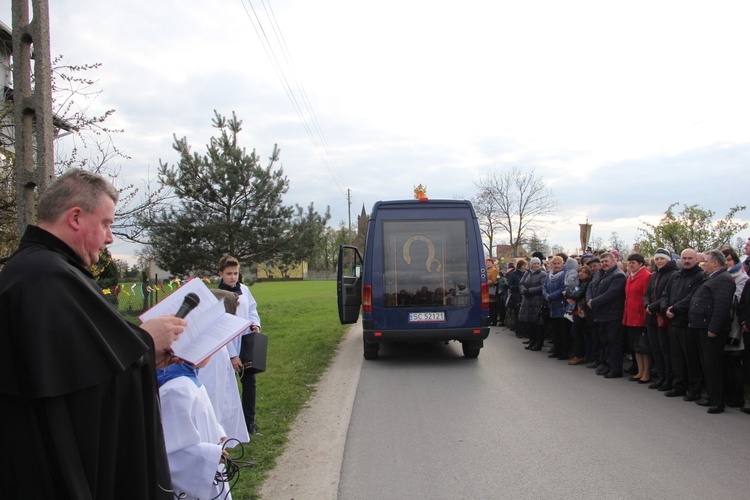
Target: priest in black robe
79, 408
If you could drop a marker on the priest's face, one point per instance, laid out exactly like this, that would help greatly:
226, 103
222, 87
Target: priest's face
230, 275
95, 230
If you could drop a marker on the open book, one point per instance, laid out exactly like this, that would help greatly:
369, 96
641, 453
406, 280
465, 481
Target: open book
209, 326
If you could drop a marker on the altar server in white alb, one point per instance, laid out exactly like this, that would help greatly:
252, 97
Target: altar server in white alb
192, 434
229, 271
221, 384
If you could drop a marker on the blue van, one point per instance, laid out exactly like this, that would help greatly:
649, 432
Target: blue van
422, 278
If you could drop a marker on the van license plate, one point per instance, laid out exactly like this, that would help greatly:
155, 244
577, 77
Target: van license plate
426, 317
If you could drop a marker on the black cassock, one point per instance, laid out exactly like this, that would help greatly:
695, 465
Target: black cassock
79, 410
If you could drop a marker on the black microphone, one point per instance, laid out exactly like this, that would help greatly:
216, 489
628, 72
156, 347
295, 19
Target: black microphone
191, 302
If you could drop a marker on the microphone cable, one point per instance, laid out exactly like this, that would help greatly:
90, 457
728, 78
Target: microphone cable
231, 473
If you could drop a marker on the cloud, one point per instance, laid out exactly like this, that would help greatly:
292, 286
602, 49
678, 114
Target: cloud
623, 109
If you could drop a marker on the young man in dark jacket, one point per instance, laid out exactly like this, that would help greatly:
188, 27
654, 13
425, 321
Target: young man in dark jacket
708, 320
606, 298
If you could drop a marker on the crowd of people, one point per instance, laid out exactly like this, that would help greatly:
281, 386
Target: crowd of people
679, 324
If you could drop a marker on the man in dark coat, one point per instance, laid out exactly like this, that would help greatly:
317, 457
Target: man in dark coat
684, 349
80, 414
606, 298
709, 321
597, 343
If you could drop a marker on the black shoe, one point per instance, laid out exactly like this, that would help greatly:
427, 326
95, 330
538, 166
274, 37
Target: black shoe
634, 379
525, 341
691, 397
641, 381
656, 384
613, 375
537, 347
736, 404
529, 347
563, 358
604, 373
666, 386
716, 409
703, 402
674, 393
601, 370
252, 429
745, 410
594, 364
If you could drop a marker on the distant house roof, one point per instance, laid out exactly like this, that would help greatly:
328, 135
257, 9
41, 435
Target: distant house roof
6, 34
501, 250
57, 122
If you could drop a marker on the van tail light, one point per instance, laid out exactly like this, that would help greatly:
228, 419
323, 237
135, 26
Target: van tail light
367, 299
485, 296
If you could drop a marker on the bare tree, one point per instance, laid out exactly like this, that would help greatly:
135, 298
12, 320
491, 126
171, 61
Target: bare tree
487, 212
518, 200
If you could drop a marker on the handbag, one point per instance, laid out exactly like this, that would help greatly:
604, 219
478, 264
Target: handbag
512, 301
541, 318
510, 319
642, 345
253, 351
734, 340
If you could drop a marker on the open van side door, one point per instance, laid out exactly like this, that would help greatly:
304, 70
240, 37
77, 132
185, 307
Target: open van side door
349, 284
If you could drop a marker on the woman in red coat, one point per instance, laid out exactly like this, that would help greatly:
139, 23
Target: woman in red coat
634, 316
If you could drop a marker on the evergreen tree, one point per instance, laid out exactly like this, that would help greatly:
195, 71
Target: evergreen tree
229, 203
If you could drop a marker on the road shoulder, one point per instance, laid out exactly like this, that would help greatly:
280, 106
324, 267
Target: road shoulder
310, 465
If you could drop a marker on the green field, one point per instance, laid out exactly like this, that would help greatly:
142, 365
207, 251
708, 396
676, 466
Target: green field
303, 329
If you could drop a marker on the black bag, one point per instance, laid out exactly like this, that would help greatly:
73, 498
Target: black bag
734, 340
253, 350
510, 319
642, 345
543, 315
513, 301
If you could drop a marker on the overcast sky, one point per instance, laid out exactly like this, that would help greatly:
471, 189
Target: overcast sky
622, 107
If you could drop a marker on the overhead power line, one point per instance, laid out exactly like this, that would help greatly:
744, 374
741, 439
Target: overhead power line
296, 95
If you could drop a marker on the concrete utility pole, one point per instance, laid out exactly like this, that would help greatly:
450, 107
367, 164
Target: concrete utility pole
32, 110
349, 207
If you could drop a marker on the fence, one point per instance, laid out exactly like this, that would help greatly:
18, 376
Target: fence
131, 299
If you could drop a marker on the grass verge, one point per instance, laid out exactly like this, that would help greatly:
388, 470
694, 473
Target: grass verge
301, 321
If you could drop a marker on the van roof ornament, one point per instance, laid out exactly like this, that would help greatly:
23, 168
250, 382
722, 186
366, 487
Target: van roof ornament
420, 193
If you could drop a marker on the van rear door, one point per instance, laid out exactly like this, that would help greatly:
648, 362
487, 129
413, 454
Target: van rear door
349, 284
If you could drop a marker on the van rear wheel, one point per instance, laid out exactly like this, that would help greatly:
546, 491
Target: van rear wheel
370, 350
470, 351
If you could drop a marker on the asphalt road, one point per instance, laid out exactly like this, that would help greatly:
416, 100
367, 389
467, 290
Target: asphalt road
429, 423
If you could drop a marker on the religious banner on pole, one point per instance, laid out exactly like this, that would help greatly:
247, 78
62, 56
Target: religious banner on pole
585, 235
